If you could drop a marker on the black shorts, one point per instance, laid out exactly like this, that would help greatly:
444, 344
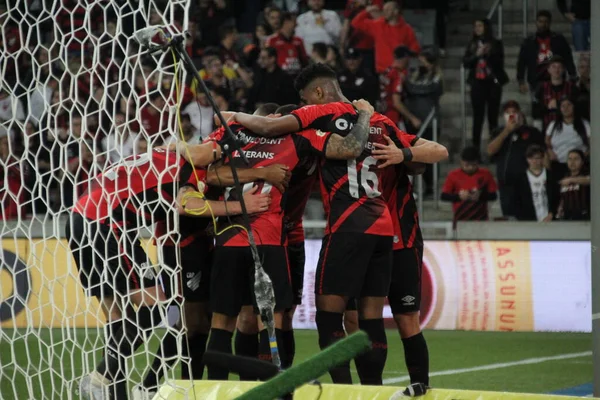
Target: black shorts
354, 265
108, 263
232, 278
296, 258
194, 277
405, 289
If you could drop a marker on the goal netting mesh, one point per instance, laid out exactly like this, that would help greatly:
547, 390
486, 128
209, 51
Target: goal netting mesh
77, 96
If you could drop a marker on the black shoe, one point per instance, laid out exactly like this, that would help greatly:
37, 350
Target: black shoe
415, 390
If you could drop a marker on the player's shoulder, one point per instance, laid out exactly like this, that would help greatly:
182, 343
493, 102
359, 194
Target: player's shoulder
485, 172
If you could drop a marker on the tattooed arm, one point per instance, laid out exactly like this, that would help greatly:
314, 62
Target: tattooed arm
352, 145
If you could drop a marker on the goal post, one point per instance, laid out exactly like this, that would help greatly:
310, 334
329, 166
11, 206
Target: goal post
77, 96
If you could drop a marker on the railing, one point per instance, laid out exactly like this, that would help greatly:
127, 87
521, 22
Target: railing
499, 7
432, 119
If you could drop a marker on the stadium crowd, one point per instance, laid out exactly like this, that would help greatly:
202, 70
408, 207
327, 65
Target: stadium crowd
65, 117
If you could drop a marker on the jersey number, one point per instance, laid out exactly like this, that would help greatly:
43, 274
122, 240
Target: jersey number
112, 172
368, 179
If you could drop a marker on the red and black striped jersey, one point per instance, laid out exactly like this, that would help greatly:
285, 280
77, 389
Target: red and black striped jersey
575, 202
140, 190
481, 181
262, 152
351, 189
304, 177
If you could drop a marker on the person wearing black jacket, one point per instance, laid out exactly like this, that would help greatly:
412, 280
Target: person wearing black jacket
579, 14
357, 82
537, 192
539, 48
271, 83
507, 149
484, 57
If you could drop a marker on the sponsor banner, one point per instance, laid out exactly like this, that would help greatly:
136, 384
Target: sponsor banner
491, 286
222, 390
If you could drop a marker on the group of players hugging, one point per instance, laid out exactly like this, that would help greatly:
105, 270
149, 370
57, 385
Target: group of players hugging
372, 248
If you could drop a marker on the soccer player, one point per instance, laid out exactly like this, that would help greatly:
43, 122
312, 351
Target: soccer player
233, 265
356, 256
103, 235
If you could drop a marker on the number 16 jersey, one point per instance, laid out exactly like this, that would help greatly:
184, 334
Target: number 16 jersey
351, 189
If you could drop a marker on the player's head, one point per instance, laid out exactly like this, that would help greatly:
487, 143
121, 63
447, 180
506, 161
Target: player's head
266, 109
535, 156
286, 109
318, 84
469, 160
391, 10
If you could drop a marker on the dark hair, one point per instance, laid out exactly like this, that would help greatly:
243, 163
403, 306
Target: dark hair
266, 109
312, 72
511, 104
271, 51
533, 150
321, 49
287, 16
226, 30
488, 32
155, 94
396, 2
578, 124
578, 151
287, 109
544, 13
585, 167
221, 91
470, 154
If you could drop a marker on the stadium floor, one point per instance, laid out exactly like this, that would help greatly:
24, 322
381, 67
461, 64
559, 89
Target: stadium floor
497, 361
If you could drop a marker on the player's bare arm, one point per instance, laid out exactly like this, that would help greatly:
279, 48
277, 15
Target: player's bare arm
351, 145
189, 200
268, 127
277, 175
199, 155
424, 151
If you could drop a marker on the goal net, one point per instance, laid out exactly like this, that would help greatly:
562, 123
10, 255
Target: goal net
77, 96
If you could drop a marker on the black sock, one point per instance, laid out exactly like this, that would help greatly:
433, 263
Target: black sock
197, 346
220, 340
289, 347
264, 348
166, 354
370, 365
416, 356
246, 344
331, 329
149, 317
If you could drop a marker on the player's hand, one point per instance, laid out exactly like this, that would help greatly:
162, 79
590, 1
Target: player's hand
389, 153
227, 115
363, 105
277, 175
256, 202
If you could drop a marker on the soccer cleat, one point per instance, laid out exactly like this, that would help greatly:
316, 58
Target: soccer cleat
141, 393
93, 387
415, 390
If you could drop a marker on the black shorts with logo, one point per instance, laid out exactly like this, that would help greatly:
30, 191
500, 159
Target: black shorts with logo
354, 265
108, 263
196, 263
405, 289
296, 258
232, 278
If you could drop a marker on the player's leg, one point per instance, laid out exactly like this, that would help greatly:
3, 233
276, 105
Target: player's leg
246, 335
351, 317
275, 264
342, 263
405, 301
375, 288
230, 286
296, 259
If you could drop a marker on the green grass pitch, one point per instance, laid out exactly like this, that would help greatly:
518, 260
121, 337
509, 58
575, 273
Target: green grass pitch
46, 363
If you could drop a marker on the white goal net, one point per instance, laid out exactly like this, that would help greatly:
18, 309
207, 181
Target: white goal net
77, 96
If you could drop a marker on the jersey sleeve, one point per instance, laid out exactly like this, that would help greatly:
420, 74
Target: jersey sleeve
401, 138
215, 135
309, 116
449, 186
311, 140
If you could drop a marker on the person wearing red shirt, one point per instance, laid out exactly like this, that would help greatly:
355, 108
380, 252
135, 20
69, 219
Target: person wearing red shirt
470, 188
392, 83
351, 37
388, 32
154, 118
291, 55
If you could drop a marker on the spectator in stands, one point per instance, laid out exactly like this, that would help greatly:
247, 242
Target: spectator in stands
508, 148
539, 48
187, 130
333, 58
85, 166
484, 57
388, 30
213, 14
210, 54
575, 189
287, 5
470, 188
318, 25
579, 15
260, 35
40, 98
423, 91
537, 191
233, 88
11, 192
154, 118
273, 19
319, 53
392, 89
549, 93
141, 145
291, 54
271, 83
7, 111
228, 36
351, 37
355, 81
201, 115
582, 102
35, 164
567, 133
120, 141
220, 96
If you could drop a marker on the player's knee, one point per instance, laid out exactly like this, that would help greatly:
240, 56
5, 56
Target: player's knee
246, 321
331, 303
371, 307
288, 318
351, 321
197, 318
223, 322
408, 324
